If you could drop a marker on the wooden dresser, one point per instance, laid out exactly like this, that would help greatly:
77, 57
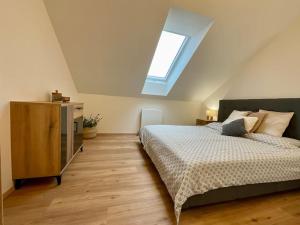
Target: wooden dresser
1, 196
200, 122
43, 136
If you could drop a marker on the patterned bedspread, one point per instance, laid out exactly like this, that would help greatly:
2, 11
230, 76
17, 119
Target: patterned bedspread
195, 159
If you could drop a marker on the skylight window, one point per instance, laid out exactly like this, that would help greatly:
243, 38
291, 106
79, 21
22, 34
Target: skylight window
166, 53
181, 36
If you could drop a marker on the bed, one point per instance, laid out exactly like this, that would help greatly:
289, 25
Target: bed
200, 166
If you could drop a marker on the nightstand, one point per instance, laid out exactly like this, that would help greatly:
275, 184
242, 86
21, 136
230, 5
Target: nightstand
200, 122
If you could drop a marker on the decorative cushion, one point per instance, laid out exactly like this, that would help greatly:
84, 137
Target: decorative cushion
260, 117
275, 123
236, 115
250, 122
235, 128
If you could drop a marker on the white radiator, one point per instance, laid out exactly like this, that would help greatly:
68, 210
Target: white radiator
151, 117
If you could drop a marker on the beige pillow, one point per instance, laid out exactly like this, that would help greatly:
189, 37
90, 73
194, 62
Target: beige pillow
275, 123
235, 115
248, 121
260, 116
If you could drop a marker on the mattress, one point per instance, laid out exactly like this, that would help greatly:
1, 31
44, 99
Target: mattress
193, 160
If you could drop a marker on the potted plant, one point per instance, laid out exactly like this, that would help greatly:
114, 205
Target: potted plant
90, 126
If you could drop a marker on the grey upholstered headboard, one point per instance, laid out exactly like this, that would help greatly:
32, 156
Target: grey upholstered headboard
279, 105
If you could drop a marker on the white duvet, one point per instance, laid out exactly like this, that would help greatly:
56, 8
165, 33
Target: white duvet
195, 159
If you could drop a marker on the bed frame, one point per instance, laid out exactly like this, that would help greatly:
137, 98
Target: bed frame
245, 191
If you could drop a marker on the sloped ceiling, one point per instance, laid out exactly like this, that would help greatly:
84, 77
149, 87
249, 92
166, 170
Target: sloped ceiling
109, 44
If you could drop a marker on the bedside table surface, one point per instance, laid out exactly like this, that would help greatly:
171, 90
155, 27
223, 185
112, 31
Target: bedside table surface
201, 122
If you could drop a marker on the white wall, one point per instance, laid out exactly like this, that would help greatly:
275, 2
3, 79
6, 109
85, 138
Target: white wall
31, 65
273, 72
122, 114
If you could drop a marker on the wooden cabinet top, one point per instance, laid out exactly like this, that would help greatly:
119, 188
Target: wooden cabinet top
201, 122
44, 102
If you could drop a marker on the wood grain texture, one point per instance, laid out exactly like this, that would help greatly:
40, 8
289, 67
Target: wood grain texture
8, 192
35, 139
201, 122
1, 196
113, 182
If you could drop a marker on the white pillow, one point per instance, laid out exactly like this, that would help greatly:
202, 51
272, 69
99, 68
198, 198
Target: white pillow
275, 123
249, 122
235, 115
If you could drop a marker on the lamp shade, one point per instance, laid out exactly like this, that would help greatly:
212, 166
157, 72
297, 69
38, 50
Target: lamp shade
211, 114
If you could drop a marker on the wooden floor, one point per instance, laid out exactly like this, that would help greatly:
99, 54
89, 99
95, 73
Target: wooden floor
114, 183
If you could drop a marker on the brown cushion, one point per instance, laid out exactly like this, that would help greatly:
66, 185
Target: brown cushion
260, 116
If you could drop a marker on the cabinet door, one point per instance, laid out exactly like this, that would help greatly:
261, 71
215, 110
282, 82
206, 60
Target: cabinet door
66, 135
35, 139
78, 133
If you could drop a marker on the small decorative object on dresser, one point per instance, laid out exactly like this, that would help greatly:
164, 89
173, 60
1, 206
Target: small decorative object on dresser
66, 99
56, 96
200, 122
90, 126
